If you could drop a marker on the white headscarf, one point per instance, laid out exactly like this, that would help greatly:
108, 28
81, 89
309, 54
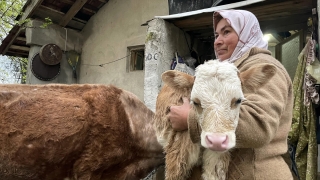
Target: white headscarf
246, 26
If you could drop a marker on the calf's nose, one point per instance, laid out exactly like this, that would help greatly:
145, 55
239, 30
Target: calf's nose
217, 141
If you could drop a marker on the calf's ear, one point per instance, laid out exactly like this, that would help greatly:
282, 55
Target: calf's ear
257, 76
177, 79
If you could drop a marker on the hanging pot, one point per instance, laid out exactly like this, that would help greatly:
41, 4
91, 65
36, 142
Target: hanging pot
51, 54
44, 71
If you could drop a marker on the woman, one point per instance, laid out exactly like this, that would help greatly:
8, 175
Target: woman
265, 116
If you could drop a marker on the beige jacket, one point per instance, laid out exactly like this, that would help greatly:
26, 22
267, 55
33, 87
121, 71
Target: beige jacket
264, 123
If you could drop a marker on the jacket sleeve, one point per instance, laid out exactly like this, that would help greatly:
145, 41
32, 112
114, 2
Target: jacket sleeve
260, 114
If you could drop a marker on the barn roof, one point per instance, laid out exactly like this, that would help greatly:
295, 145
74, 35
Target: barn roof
274, 16
73, 14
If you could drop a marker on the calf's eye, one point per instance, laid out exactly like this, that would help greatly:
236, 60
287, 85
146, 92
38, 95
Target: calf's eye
196, 102
236, 102
239, 101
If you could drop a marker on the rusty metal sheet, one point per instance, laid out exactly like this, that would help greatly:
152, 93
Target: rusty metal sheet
51, 54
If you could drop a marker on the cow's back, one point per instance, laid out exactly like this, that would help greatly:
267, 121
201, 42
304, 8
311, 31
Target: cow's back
79, 131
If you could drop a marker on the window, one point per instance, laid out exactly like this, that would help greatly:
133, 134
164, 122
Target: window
136, 58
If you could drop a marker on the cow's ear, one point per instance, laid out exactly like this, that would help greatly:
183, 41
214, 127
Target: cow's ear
177, 79
257, 76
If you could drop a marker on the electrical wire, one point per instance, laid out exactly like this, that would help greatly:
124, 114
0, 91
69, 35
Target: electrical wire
101, 65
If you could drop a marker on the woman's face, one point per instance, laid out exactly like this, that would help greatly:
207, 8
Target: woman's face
226, 40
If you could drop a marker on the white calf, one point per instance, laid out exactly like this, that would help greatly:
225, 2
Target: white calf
216, 95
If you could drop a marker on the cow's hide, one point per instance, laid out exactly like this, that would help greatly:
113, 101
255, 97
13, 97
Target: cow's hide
75, 132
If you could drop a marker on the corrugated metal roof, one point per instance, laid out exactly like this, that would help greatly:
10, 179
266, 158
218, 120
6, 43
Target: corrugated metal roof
210, 10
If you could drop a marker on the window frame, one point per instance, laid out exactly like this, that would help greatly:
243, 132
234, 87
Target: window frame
132, 52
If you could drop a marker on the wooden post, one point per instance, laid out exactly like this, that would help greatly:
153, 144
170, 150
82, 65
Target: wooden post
318, 11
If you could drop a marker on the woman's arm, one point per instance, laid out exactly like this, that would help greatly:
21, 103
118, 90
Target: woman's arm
260, 115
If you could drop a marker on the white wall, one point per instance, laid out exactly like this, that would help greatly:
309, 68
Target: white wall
163, 40
107, 35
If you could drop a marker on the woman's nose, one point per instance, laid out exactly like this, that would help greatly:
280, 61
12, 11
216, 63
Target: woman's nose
217, 41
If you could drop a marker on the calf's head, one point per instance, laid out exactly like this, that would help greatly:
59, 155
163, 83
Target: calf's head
216, 97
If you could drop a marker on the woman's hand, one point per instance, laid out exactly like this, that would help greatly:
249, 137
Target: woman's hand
178, 115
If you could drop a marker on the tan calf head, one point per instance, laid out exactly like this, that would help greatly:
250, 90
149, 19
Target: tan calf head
216, 97
176, 86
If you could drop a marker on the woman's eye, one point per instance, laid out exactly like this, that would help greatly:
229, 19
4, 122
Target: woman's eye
226, 32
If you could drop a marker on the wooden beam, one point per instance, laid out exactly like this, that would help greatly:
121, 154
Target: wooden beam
21, 39
295, 22
30, 9
86, 7
284, 28
11, 40
318, 11
72, 12
203, 19
20, 54
45, 8
21, 48
26, 14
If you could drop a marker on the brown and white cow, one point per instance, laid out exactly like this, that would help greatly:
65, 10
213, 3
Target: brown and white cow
216, 94
79, 132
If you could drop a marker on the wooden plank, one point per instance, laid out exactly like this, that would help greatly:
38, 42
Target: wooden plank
55, 15
19, 54
289, 7
296, 22
30, 9
21, 39
26, 14
194, 21
21, 48
287, 11
86, 7
12, 40
283, 28
72, 12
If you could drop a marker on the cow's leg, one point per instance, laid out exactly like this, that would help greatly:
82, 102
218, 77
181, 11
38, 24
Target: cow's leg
86, 169
86, 174
181, 156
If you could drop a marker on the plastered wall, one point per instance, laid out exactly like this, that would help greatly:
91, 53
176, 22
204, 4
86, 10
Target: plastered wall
116, 26
163, 40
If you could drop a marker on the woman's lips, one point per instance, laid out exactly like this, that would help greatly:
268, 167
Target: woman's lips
221, 51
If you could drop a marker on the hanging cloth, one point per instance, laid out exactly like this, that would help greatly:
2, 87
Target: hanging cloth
310, 93
302, 135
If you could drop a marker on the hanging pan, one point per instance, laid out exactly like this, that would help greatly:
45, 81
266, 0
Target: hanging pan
50, 54
44, 71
